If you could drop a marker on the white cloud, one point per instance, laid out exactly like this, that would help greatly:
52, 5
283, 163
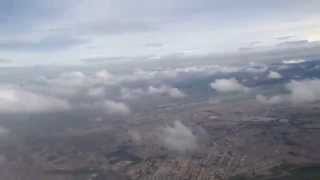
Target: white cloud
127, 93
271, 100
228, 85
274, 75
117, 108
294, 61
304, 91
178, 137
103, 75
69, 84
163, 90
74, 78
13, 100
166, 90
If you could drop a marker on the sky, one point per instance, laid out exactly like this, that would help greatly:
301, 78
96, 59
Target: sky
75, 32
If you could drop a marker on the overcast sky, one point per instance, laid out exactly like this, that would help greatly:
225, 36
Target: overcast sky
67, 31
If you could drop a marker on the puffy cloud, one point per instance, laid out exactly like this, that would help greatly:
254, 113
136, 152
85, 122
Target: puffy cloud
117, 108
132, 93
152, 90
228, 85
304, 91
271, 100
74, 78
166, 90
13, 100
74, 83
274, 75
103, 75
178, 137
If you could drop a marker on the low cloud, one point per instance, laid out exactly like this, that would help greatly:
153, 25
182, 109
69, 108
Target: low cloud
304, 91
300, 92
166, 91
103, 75
50, 43
69, 84
293, 61
178, 137
14, 100
270, 100
163, 90
228, 85
274, 75
116, 108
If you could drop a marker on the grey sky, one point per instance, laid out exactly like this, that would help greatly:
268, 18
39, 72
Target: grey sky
64, 32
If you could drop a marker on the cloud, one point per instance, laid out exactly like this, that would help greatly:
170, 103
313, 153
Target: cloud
274, 75
294, 61
111, 27
3, 131
4, 60
73, 78
68, 84
154, 45
178, 137
163, 90
50, 43
73, 83
173, 73
271, 100
300, 92
167, 91
304, 91
103, 75
13, 100
97, 92
228, 85
282, 38
116, 108
127, 93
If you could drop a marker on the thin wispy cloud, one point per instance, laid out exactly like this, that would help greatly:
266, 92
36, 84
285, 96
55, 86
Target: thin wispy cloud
76, 30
